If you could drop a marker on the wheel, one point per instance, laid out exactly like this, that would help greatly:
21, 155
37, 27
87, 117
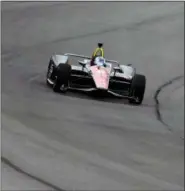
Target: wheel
61, 81
56, 85
50, 72
137, 89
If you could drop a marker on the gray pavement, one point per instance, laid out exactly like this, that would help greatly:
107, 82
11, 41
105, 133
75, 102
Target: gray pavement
74, 141
13, 180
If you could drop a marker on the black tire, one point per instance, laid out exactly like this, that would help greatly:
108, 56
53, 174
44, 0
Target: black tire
137, 89
56, 85
50, 72
63, 73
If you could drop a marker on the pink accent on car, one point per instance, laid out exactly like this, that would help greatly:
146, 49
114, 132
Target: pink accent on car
101, 76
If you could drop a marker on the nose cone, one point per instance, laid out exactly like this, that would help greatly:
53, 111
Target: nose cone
101, 77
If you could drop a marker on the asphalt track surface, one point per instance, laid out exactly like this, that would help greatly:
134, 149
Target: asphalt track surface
13, 180
74, 141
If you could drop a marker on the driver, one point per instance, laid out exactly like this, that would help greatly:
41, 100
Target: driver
97, 52
99, 61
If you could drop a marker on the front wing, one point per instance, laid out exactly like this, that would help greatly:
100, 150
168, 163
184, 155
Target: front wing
82, 80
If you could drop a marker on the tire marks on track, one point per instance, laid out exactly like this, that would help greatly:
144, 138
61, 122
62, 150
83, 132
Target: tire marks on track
157, 102
10, 164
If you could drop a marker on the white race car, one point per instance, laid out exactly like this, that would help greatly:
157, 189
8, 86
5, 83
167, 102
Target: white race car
118, 80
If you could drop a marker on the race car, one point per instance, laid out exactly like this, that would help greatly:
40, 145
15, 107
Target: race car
113, 78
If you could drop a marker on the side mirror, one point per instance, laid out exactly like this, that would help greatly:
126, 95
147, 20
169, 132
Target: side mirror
82, 63
116, 68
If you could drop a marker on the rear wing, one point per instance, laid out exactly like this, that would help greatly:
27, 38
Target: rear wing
89, 58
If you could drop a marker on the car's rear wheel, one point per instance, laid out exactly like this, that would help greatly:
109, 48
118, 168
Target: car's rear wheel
137, 89
61, 81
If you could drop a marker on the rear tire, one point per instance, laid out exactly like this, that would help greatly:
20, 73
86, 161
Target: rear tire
63, 73
137, 89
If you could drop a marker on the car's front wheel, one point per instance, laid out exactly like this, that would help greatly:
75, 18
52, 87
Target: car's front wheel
56, 85
62, 78
50, 72
137, 89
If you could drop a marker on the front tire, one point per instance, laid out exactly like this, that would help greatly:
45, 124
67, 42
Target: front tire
137, 89
56, 85
63, 73
50, 72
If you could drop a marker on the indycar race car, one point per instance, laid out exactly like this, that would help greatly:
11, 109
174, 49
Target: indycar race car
118, 80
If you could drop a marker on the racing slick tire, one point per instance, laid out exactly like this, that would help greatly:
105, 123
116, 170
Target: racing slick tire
50, 72
63, 73
137, 89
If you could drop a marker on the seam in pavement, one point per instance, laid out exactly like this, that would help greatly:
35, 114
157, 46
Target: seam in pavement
10, 164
